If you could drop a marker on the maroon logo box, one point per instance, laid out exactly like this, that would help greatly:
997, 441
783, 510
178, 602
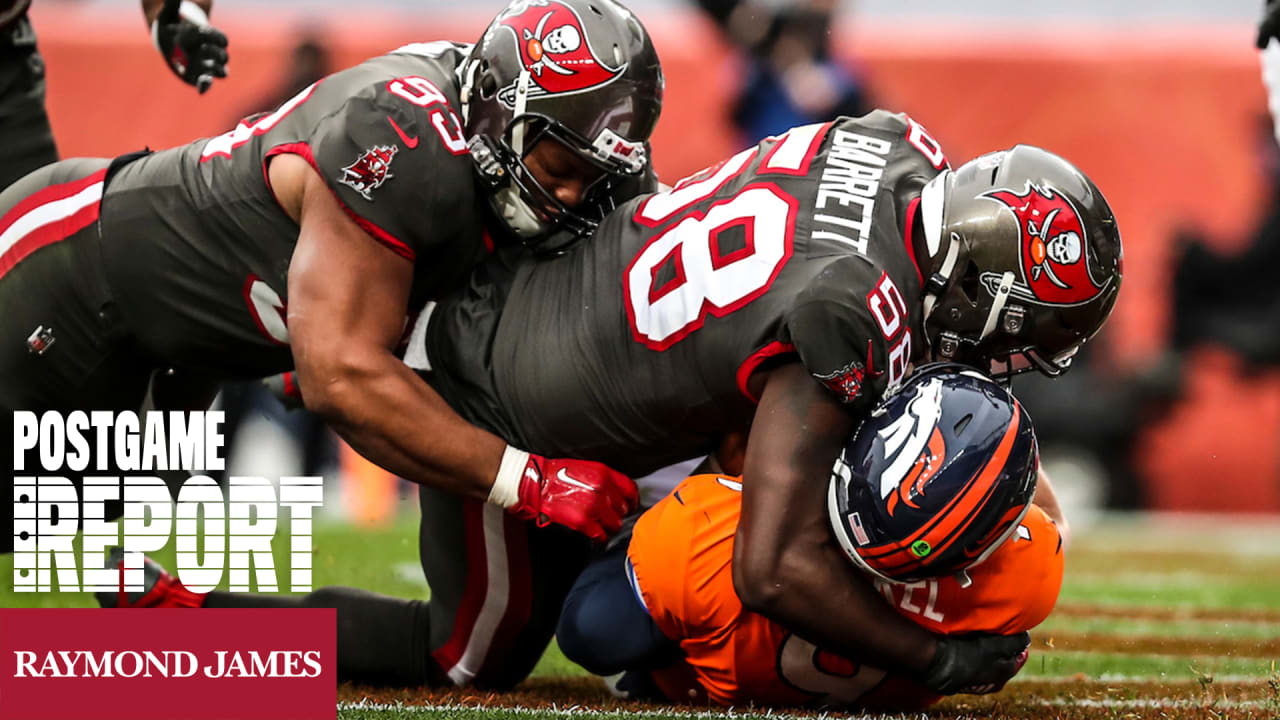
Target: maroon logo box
168, 664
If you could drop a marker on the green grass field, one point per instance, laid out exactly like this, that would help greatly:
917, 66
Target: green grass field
1158, 617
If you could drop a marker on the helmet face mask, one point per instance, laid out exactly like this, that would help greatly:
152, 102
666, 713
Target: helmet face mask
516, 191
936, 478
582, 73
1025, 265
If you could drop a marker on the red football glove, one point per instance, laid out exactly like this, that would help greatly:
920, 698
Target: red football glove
581, 495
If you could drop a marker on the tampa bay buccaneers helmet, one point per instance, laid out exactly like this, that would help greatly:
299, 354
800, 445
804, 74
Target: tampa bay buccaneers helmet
581, 72
936, 478
1025, 262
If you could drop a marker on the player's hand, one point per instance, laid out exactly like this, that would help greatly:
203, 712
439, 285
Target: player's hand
976, 664
194, 50
1270, 25
581, 495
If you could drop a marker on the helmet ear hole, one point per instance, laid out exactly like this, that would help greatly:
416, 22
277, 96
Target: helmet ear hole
488, 86
969, 284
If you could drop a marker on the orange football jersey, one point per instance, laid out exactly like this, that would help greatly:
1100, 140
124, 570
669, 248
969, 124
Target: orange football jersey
682, 553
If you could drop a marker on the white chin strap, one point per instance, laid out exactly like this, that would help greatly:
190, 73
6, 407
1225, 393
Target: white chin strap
997, 305
517, 214
522, 98
467, 75
948, 265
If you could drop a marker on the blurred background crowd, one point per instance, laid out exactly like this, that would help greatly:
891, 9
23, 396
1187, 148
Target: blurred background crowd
1175, 406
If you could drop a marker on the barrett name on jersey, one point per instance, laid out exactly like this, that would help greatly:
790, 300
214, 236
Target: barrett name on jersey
637, 348
197, 231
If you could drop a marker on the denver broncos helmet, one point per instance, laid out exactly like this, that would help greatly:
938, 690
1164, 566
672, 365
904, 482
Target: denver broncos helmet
935, 478
1025, 262
581, 72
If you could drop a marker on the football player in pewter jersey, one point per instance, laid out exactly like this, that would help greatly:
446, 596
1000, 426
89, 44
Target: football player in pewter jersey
780, 293
303, 238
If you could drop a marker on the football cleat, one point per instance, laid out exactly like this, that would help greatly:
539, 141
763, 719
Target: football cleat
159, 588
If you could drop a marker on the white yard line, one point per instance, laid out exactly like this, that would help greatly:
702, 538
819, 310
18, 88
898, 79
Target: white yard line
1175, 578
1150, 703
1136, 679
579, 711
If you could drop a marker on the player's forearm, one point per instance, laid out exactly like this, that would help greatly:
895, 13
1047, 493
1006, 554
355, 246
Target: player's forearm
817, 595
393, 418
786, 566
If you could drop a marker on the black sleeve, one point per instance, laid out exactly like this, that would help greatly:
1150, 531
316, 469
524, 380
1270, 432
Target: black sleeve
833, 332
389, 168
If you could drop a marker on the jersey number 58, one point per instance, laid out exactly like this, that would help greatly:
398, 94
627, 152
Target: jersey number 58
687, 272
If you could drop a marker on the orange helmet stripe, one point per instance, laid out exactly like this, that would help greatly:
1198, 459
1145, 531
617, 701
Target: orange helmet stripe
952, 520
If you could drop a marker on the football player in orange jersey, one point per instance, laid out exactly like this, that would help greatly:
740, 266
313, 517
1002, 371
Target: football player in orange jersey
931, 497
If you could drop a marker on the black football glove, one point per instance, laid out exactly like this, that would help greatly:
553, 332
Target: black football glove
195, 50
1270, 25
976, 664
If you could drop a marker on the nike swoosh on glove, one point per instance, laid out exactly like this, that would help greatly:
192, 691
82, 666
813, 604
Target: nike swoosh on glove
585, 496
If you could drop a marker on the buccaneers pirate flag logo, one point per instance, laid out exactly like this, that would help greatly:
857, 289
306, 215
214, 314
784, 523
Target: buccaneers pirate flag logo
370, 170
1054, 249
555, 50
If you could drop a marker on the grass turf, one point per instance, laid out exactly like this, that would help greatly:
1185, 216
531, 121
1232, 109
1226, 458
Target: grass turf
1147, 575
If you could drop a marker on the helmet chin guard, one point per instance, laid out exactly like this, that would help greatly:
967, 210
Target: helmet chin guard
510, 206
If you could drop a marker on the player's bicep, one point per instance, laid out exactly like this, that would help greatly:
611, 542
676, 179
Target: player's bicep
345, 292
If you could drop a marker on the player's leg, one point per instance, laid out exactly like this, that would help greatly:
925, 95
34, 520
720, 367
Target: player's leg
604, 626
24, 124
62, 346
497, 586
381, 639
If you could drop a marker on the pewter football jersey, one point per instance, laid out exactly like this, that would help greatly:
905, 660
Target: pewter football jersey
636, 348
197, 249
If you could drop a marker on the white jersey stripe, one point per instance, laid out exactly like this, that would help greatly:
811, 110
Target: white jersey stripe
793, 148
497, 596
50, 212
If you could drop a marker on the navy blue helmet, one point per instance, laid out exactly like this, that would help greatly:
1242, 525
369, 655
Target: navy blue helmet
936, 477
